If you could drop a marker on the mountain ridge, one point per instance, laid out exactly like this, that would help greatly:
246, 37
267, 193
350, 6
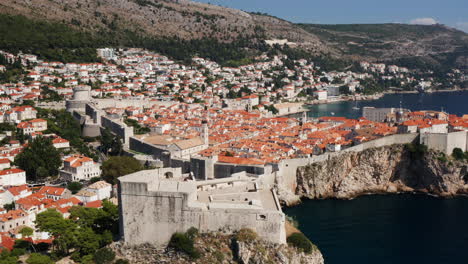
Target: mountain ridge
410, 45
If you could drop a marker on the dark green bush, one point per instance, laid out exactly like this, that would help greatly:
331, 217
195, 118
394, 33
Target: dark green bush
20, 243
417, 151
182, 242
36, 258
121, 261
18, 252
458, 154
192, 232
104, 256
442, 158
300, 241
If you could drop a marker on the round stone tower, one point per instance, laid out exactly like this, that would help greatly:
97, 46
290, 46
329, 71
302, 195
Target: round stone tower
82, 93
81, 96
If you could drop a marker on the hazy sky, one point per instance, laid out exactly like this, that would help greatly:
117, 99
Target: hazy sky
453, 13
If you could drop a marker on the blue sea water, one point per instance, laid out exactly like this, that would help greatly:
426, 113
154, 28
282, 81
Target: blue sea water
403, 229
393, 229
451, 102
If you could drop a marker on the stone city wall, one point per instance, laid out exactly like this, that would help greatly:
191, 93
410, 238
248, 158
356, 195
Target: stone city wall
445, 142
152, 210
147, 148
123, 103
118, 128
287, 169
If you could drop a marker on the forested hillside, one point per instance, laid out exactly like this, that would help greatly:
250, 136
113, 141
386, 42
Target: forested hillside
70, 30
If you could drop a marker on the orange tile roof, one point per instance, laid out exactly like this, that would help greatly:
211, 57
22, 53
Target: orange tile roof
10, 171
57, 191
243, 161
16, 190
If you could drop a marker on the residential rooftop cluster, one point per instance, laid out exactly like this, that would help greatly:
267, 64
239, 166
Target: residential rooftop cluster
28, 202
138, 73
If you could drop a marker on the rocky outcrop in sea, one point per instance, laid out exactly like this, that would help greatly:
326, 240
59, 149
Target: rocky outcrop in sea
390, 169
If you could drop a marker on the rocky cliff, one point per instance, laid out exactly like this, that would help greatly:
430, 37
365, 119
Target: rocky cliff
220, 248
390, 169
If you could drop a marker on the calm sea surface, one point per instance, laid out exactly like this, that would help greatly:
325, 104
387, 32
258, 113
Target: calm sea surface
451, 102
396, 229
379, 229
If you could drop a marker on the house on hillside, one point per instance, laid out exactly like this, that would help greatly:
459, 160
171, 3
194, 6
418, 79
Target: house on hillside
55, 193
12, 177
79, 168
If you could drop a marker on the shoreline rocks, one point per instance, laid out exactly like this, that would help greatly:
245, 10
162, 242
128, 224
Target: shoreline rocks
383, 170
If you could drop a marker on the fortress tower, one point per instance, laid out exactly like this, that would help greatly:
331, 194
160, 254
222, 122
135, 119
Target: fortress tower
81, 96
82, 93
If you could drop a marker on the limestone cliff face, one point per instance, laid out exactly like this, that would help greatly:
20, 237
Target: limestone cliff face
219, 248
380, 170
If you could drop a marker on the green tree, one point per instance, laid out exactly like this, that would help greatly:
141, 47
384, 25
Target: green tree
104, 256
74, 187
137, 128
36, 258
22, 244
62, 123
110, 144
39, 159
87, 230
94, 179
119, 166
18, 252
100, 220
7, 258
87, 241
26, 231
9, 206
64, 230
458, 154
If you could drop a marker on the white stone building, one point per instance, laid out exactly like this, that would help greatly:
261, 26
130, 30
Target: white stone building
101, 188
4, 164
12, 177
13, 219
86, 196
321, 94
60, 143
79, 168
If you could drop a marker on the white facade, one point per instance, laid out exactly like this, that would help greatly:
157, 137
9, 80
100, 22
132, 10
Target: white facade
12, 177
4, 164
60, 143
101, 188
321, 95
79, 168
86, 196
5, 198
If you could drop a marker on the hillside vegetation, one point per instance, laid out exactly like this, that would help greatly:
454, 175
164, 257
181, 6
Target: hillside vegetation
181, 28
60, 42
180, 20
435, 47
